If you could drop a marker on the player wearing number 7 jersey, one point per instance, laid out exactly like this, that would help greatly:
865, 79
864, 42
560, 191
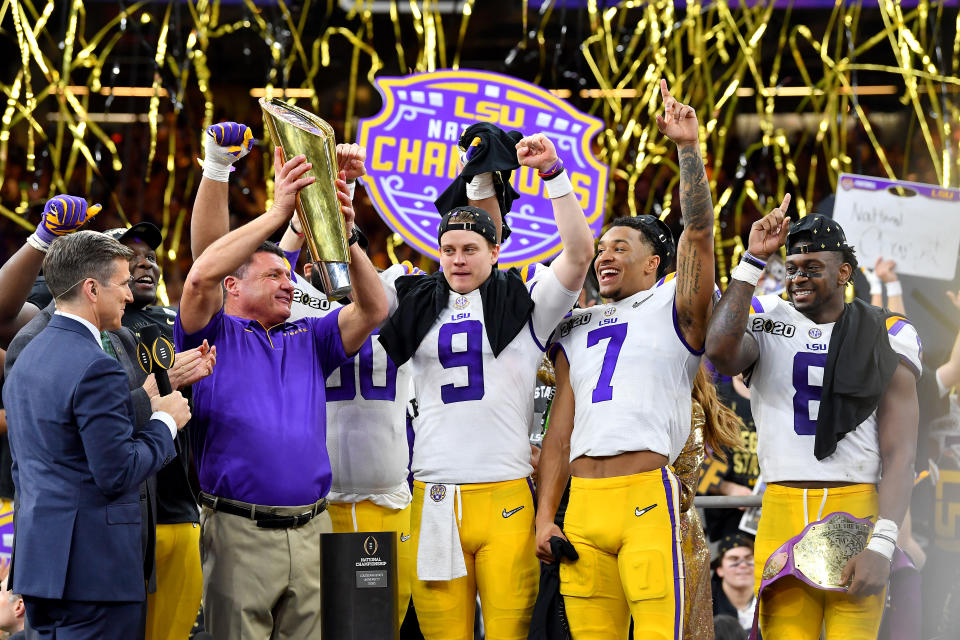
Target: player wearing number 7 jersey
473, 337
833, 394
621, 414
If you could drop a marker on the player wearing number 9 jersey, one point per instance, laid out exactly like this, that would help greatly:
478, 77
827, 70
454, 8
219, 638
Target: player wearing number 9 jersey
833, 395
622, 410
473, 336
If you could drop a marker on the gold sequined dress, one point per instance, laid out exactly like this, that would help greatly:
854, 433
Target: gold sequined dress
698, 603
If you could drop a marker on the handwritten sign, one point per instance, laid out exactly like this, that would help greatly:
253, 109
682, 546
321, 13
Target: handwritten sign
915, 224
412, 155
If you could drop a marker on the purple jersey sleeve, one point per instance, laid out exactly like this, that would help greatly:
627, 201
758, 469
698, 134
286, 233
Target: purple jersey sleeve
329, 345
183, 341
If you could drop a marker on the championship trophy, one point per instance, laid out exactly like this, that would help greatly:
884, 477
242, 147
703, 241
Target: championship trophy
299, 132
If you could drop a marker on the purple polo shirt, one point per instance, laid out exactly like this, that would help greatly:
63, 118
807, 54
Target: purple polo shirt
259, 426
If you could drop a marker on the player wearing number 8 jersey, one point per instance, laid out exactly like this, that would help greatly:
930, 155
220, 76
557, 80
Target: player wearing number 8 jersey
473, 338
621, 413
833, 395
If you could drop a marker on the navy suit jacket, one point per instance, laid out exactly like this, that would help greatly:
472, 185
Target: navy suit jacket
77, 466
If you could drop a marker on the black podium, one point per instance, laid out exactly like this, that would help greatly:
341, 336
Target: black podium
359, 585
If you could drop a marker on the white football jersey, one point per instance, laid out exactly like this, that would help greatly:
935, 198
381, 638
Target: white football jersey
366, 411
475, 409
785, 385
631, 372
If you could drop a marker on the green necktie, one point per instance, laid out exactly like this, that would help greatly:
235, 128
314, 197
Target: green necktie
107, 345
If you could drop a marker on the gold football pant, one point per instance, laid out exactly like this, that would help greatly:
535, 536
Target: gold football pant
497, 537
626, 531
367, 516
172, 610
791, 609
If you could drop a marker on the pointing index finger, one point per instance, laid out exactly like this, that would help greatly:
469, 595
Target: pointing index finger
664, 92
785, 204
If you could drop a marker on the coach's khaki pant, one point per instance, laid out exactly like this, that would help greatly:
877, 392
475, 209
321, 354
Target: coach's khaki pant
260, 583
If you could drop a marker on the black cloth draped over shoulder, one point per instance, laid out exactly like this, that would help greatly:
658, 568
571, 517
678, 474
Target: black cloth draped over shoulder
507, 307
860, 364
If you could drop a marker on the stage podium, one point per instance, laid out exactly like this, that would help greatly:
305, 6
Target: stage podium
359, 585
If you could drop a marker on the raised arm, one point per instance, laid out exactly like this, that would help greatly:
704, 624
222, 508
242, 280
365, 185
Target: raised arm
223, 143
202, 297
695, 265
897, 419
728, 346
62, 215
369, 303
886, 270
553, 471
570, 267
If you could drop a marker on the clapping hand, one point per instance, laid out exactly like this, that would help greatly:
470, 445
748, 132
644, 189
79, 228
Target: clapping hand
192, 365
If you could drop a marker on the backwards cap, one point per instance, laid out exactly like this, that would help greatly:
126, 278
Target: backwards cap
468, 218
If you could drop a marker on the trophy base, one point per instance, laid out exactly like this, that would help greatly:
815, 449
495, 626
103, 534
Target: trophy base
332, 278
359, 585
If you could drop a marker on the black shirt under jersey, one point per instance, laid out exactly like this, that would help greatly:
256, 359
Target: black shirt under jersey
175, 500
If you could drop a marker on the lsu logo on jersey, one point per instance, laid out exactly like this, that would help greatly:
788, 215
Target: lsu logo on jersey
774, 328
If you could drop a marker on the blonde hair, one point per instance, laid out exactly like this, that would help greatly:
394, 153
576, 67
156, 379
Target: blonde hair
721, 430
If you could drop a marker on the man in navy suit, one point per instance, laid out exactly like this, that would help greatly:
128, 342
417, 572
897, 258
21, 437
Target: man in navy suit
77, 461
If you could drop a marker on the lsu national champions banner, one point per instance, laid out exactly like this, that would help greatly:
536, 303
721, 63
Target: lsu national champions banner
412, 155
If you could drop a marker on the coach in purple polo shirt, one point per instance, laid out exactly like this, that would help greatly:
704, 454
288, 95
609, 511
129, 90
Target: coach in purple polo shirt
260, 423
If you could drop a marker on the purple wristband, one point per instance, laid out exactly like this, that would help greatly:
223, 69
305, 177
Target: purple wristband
554, 170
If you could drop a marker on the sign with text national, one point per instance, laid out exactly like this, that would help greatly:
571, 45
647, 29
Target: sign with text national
412, 155
915, 224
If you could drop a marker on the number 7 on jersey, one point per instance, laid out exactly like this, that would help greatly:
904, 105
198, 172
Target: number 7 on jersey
614, 334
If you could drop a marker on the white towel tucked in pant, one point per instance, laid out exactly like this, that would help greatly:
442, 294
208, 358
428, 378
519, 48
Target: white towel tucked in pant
439, 555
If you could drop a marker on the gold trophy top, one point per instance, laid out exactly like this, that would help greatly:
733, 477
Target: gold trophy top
299, 132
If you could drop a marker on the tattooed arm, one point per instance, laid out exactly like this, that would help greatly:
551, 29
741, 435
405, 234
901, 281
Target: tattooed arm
729, 347
695, 265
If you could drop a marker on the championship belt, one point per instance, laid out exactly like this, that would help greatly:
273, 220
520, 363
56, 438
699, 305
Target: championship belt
818, 556
299, 132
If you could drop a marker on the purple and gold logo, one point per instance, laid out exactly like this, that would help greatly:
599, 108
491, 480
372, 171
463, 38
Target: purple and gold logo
438, 492
412, 155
